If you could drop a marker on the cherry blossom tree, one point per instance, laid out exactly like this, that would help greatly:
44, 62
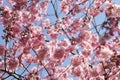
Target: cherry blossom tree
60, 40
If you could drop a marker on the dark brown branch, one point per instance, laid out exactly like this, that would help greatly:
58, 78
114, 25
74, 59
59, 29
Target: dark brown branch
54, 9
10, 74
42, 63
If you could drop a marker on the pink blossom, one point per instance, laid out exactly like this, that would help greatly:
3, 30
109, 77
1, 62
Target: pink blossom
85, 35
64, 7
26, 50
34, 70
54, 35
6, 13
86, 45
44, 5
76, 71
77, 60
105, 52
94, 72
19, 0
42, 53
2, 50
13, 63
65, 43
1, 2
76, 9
11, 2
86, 53
59, 20
71, 48
33, 9
59, 53
29, 59
95, 10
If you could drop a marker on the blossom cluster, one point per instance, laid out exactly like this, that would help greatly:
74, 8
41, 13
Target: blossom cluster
67, 44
